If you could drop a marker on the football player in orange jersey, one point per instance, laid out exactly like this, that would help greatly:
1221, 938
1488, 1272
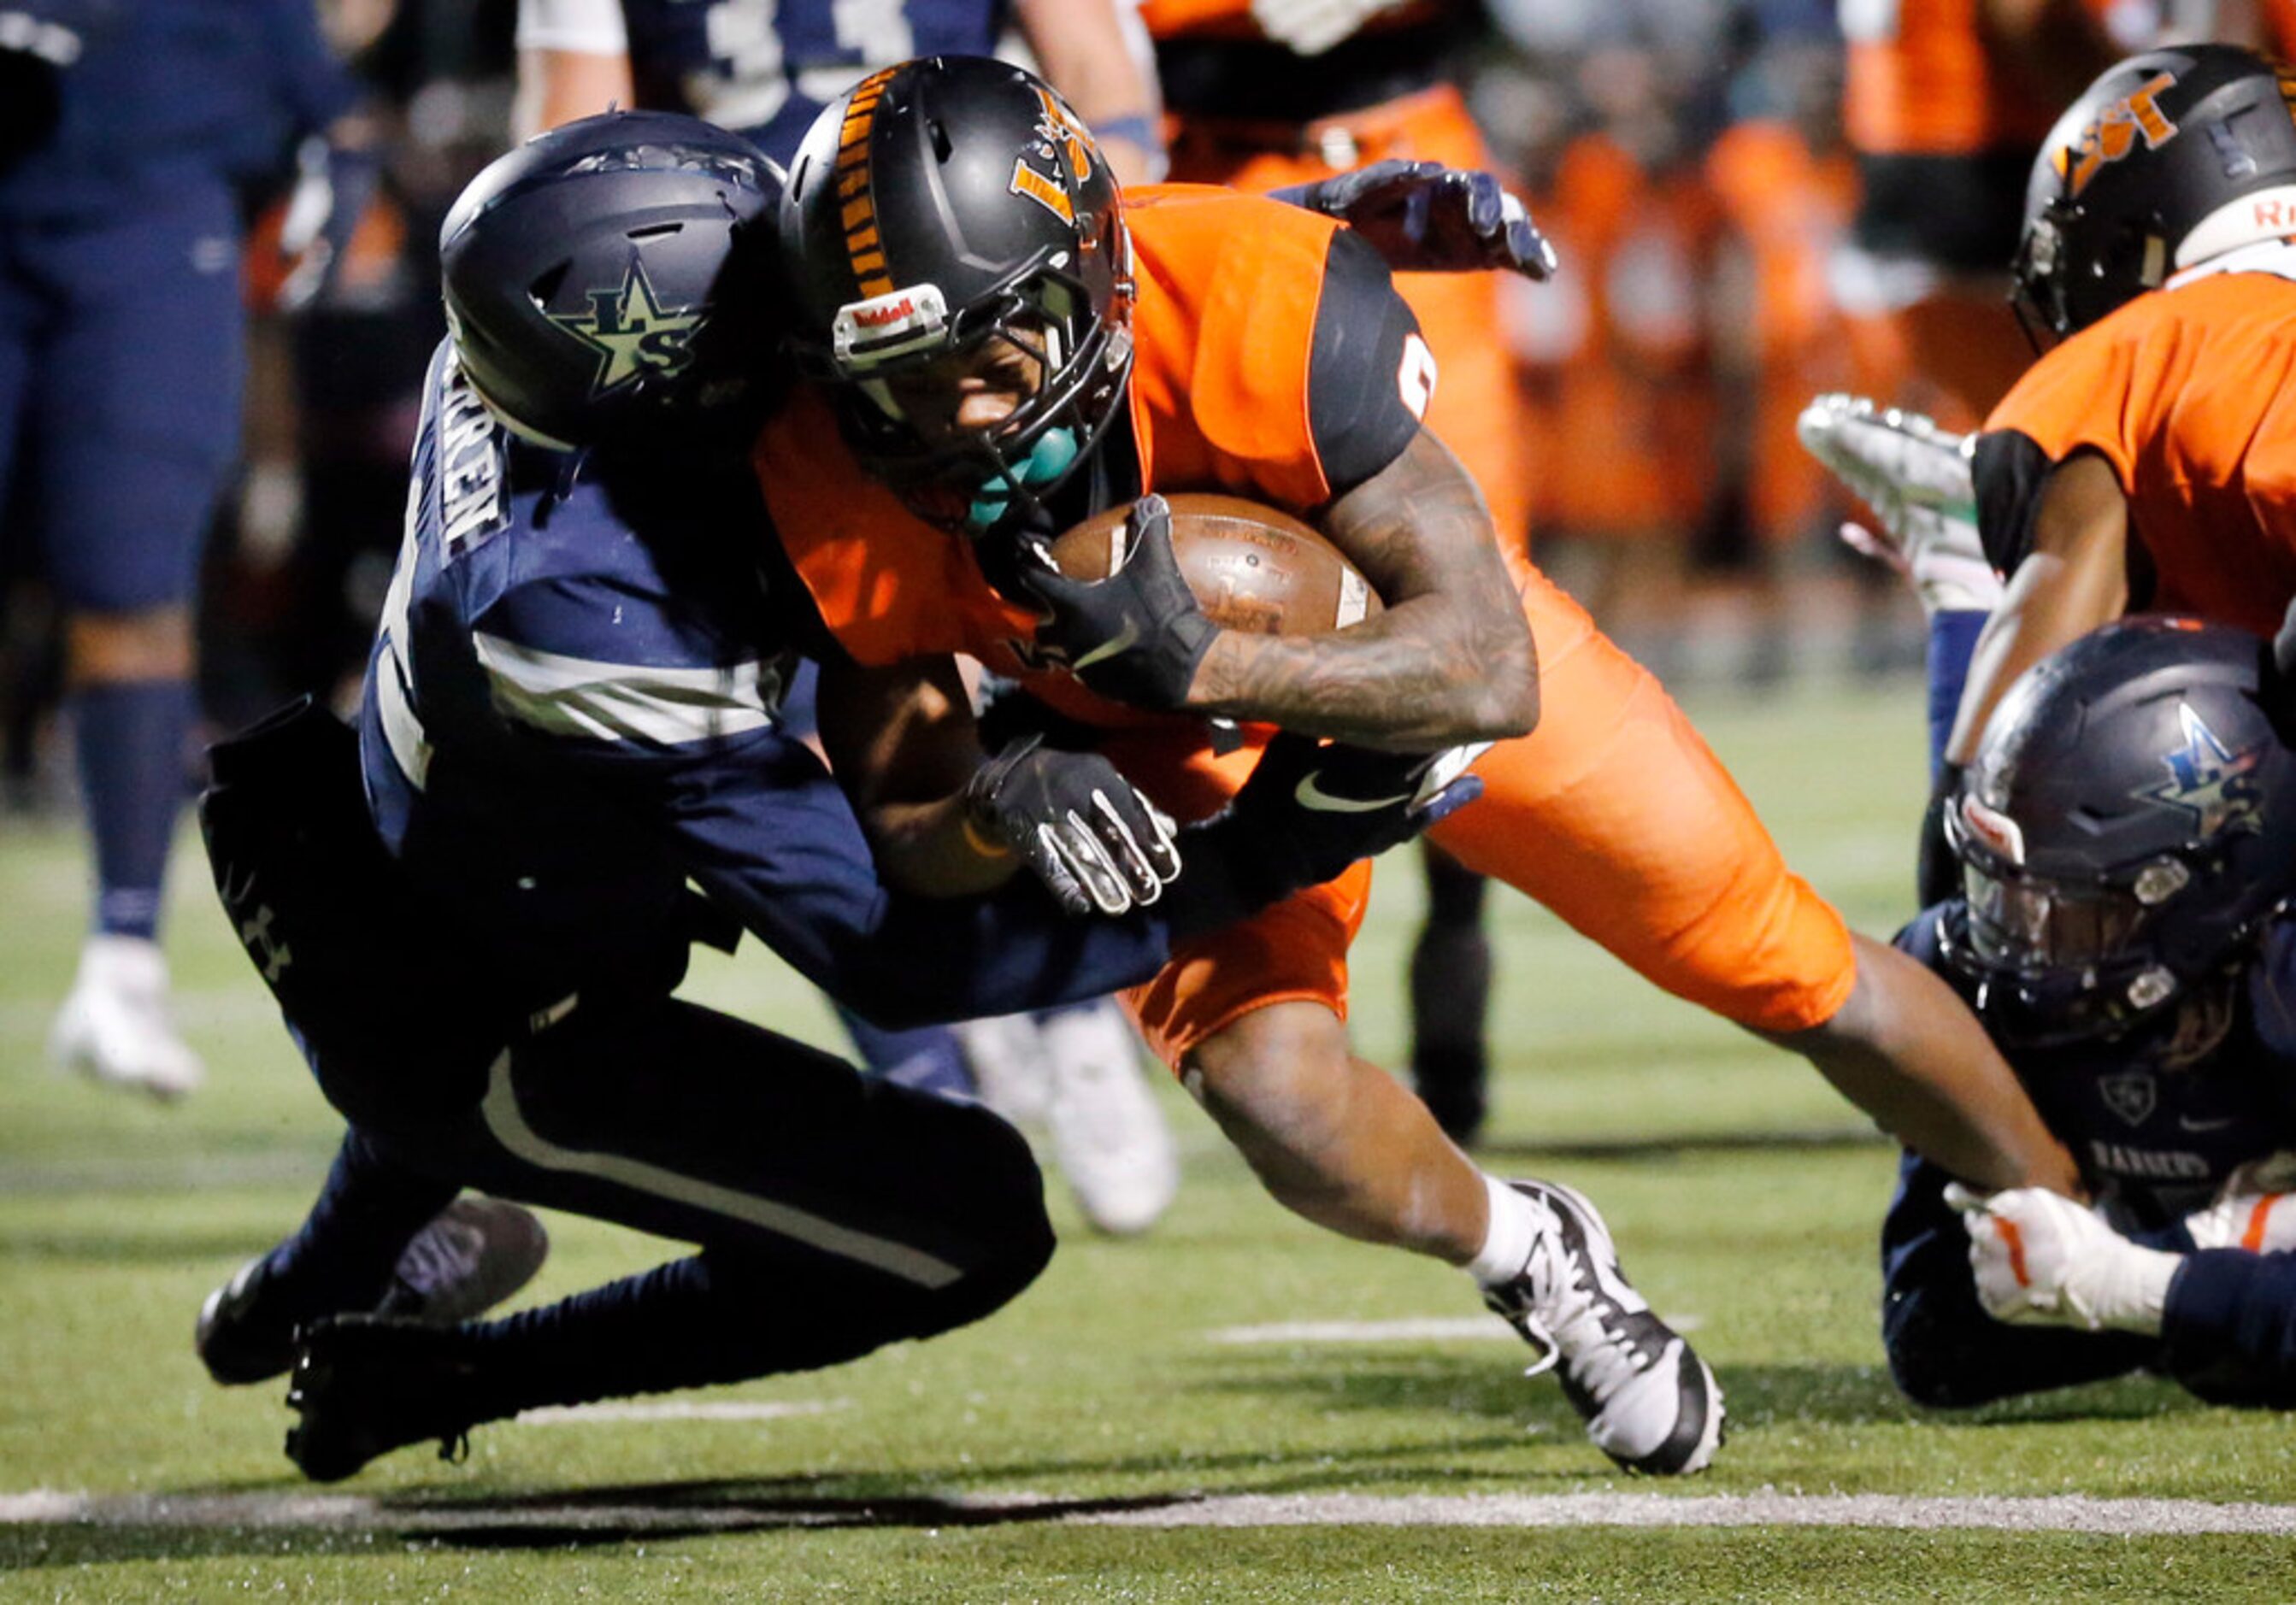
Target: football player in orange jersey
1003, 347
2148, 461
1266, 94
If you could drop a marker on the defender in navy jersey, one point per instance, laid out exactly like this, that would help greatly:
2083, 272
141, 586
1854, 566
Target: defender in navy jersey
2124, 839
474, 913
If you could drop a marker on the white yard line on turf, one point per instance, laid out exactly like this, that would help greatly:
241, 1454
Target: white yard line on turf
681, 1410
1421, 1329
2057, 1513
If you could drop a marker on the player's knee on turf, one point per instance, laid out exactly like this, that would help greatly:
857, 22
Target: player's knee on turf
1000, 1195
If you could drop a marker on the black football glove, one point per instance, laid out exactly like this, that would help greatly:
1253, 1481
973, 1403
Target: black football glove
334, 184
1093, 840
1310, 809
1425, 217
1138, 635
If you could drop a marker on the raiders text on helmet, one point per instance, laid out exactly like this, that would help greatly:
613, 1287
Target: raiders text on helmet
940, 205
2169, 158
618, 270
2127, 825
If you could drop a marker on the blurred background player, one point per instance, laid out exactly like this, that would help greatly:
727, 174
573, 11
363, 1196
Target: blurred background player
1266, 94
2127, 857
764, 69
131, 131
1946, 102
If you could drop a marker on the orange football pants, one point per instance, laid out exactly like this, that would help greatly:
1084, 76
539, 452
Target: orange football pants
1613, 813
1477, 410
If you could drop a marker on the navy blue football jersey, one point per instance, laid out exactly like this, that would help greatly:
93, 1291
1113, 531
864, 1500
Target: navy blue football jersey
764, 68
2155, 1140
569, 714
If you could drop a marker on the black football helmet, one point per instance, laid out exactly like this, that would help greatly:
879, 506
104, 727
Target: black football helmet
2127, 826
940, 205
616, 271
2169, 158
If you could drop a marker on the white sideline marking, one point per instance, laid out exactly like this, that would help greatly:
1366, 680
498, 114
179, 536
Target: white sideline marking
2051, 1513
1418, 1329
680, 1410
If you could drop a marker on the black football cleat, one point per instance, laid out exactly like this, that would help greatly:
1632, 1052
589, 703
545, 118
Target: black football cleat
366, 1385
474, 1254
1649, 1402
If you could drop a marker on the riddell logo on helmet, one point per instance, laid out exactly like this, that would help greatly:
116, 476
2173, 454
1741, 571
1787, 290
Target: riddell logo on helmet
2118, 127
880, 316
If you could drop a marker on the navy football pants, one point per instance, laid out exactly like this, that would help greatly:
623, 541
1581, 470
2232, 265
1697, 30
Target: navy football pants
833, 1213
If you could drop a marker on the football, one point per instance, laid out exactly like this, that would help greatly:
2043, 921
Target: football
1253, 568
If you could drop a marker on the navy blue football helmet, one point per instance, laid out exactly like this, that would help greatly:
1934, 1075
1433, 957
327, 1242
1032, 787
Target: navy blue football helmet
2127, 825
939, 206
618, 271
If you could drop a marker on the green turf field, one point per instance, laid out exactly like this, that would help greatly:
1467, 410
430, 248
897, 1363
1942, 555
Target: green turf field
1020, 1459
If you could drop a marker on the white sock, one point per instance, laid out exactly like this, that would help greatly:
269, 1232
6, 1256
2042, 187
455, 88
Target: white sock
1515, 1224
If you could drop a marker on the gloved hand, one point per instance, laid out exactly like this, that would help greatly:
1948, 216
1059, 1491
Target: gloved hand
2040, 1259
1309, 27
1425, 217
1088, 835
1310, 809
1138, 635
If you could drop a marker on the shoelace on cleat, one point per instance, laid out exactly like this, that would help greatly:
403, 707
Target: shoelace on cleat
1606, 1357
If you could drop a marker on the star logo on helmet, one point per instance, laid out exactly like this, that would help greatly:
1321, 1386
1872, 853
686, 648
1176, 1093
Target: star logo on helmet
632, 333
2216, 785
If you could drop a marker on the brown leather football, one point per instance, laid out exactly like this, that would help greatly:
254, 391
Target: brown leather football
1253, 568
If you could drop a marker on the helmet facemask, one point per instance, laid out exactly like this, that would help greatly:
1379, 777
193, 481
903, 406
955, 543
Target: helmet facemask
896, 394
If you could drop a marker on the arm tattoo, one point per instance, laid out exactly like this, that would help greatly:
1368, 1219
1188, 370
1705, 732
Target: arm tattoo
1450, 659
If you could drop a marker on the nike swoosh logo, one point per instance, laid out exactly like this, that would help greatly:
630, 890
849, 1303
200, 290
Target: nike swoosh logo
1122, 642
2189, 1124
1312, 796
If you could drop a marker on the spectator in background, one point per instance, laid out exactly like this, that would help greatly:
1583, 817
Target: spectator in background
130, 132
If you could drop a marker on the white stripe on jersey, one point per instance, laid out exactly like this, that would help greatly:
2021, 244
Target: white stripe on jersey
508, 1124
622, 701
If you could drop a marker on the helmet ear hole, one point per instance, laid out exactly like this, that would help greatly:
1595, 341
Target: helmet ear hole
943, 147
639, 236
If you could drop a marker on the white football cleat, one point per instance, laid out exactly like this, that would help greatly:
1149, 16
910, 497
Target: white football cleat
1007, 1060
1915, 477
1110, 1138
1648, 1400
2040, 1259
115, 1026
2256, 1210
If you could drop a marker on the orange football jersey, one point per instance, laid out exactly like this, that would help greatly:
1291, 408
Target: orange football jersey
2190, 393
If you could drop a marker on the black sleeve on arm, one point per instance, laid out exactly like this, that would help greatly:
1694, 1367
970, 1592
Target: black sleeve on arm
1356, 407
2009, 472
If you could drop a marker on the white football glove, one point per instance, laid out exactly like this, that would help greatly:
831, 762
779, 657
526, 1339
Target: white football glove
2040, 1259
2256, 1210
1309, 27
